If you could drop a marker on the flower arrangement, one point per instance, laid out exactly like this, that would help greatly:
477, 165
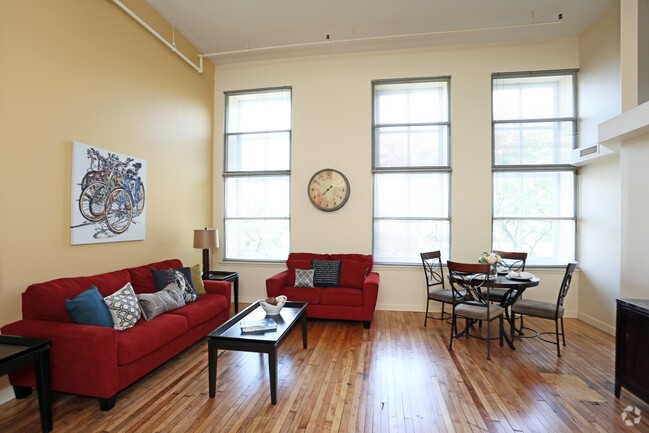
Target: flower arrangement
490, 259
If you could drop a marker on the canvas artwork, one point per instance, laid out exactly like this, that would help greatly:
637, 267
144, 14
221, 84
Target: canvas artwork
108, 196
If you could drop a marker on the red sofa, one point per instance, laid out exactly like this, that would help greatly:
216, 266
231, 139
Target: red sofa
98, 361
355, 299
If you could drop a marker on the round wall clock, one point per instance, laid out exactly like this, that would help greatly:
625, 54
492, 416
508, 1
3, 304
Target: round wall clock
328, 190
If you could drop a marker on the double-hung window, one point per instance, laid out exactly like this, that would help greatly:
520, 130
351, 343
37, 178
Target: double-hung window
534, 129
257, 164
411, 169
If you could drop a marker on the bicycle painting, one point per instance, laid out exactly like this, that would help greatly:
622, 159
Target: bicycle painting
108, 196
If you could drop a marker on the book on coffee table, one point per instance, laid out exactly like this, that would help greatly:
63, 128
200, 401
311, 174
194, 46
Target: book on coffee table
258, 325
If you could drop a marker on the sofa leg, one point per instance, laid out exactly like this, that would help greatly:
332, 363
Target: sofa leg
22, 391
107, 404
367, 323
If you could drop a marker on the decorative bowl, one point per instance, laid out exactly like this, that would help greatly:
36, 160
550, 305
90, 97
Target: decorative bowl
271, 309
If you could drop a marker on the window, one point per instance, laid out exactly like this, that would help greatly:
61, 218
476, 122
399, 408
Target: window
257, 174
411, 169
534, 128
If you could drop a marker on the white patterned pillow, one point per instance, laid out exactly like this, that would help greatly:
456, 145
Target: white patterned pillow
304, 278
124, 307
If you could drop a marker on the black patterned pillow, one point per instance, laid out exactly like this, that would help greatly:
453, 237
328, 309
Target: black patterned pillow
326, 273
177, 278
304, 277
124, 307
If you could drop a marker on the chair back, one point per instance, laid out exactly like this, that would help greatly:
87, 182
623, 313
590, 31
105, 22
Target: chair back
467, 281
565, 284
514, 261
432, 263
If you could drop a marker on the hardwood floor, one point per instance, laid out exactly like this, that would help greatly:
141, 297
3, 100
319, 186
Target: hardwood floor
395, 377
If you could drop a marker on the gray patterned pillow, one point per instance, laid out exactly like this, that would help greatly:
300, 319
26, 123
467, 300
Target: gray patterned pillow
304, 277
327, 273
124, 307
167, 299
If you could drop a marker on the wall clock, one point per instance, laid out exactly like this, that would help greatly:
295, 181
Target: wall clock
328, 189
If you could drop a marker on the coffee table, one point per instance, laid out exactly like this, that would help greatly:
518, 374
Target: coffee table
229, 337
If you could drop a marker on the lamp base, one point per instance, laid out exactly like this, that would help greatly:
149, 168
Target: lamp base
206, 263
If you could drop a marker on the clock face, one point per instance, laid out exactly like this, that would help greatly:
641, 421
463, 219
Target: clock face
328, 190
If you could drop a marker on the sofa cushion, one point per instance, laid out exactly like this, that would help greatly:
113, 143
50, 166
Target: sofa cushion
303, 294
352, 273
308, 256
46, 301
327, 273
197, 279
124, 307
147, 336
205, 309
341, 296
89, 308
177, 277
304, 277
292, 265
154, 304
142, 279
357, 257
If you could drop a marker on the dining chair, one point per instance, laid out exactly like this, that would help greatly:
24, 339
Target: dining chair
515, 262
432, 262
546, 310
470, 286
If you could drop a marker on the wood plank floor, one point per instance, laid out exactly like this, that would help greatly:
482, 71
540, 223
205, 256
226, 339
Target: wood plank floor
395, 377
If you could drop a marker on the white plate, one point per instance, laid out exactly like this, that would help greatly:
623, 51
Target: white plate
502, 270
481, 277
525, 276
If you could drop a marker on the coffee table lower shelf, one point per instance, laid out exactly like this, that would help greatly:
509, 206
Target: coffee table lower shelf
229, 337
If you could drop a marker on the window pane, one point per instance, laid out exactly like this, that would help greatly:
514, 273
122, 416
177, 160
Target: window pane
547, 242
533, 143
417, 102
258, 152
415, 146
533, 97
537, 194
401, 241
411, 195
257, 197
259, 111
257, 239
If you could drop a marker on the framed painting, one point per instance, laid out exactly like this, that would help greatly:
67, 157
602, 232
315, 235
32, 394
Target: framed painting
108, 196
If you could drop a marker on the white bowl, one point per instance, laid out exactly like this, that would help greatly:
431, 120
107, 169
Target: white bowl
273, 310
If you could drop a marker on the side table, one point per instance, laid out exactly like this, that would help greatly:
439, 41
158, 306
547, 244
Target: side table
227, 276
18, 352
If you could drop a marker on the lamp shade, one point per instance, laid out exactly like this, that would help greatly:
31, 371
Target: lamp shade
206, 238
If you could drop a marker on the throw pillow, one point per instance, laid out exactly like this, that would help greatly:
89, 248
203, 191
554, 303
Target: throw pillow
197, 278
293, 265
176, 277
88, 308
154, 304
124, 307
327, 273
353, 273
161, 277
304, 277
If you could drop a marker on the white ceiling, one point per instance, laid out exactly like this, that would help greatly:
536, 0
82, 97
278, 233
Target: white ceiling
219, 26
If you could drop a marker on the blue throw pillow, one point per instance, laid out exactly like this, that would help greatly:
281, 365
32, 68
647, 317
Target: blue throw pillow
89, 308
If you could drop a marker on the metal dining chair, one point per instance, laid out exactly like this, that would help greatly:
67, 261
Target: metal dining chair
546, 310
470, 286
513, 261
435, 290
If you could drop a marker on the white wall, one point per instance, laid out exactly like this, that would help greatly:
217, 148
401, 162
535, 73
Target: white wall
599, 187
332, 128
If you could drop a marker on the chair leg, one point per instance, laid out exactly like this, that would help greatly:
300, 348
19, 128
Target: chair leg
502, 332
453, 328
556, 330
488, 339
563, 333
427, 304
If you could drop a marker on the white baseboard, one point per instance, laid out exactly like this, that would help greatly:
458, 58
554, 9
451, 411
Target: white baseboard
609, 329
6, 394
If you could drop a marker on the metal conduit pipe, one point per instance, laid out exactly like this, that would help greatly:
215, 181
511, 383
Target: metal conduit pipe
173, 48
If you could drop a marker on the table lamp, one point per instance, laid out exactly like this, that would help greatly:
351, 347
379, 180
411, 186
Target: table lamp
206, 239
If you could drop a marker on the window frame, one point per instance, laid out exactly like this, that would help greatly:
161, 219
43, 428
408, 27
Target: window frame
226, 174
376, 170
521, 168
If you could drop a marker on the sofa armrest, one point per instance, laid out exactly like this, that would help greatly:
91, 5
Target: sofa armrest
276, 283
83, 358
370, 293
213, 287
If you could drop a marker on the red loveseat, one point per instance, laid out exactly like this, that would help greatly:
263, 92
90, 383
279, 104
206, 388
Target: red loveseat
354, 299
98, 361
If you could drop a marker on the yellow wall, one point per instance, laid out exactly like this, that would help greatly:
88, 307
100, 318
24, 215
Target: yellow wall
84, 70
332, 128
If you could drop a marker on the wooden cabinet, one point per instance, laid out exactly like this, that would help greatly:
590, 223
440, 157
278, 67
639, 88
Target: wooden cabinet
632, 347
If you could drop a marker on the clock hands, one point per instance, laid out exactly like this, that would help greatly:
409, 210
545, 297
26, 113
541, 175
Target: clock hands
325, 191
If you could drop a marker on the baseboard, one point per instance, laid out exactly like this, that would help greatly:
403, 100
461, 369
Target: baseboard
6, 394
597, 323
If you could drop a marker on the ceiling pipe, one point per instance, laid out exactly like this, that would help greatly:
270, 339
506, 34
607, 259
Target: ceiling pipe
173, 48
329, 41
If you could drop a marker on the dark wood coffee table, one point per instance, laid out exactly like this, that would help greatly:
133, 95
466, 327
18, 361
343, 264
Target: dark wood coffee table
229, 337
18, 352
